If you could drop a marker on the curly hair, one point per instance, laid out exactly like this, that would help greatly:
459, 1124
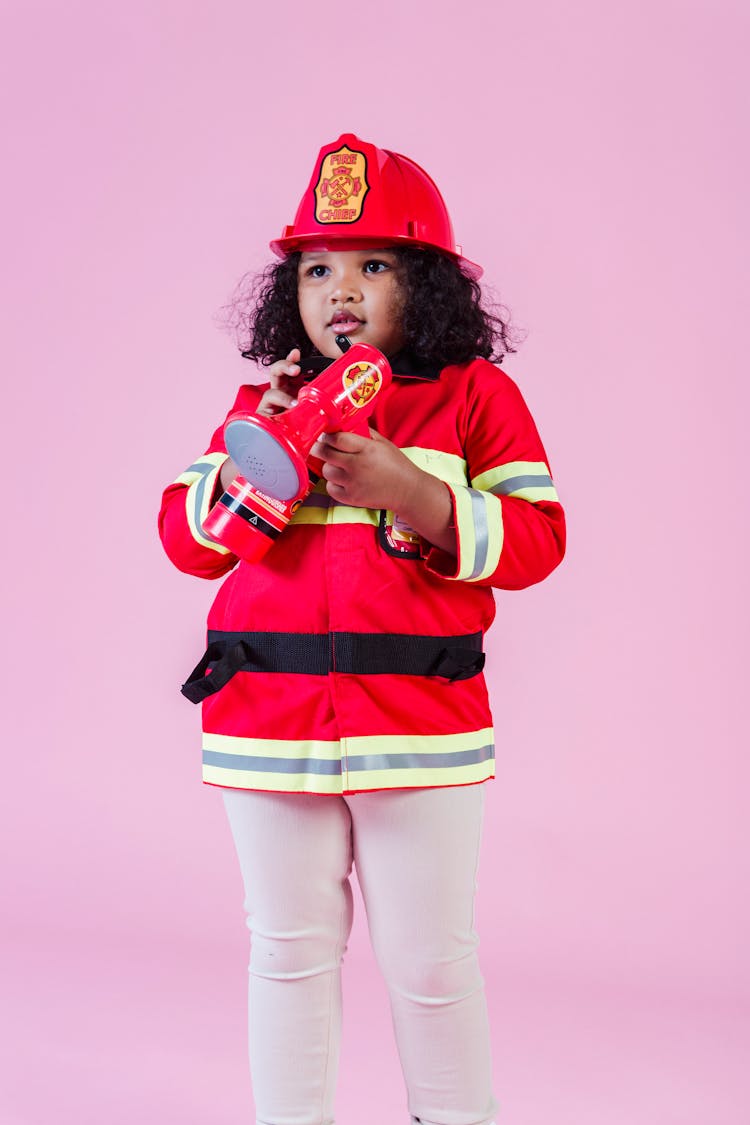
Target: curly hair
446, 319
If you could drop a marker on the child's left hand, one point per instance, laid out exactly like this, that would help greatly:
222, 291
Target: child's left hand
374, 473
367, 472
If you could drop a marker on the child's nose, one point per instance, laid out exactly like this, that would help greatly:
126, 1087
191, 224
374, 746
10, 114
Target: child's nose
345, 288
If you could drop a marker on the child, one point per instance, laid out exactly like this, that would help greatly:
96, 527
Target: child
358, 730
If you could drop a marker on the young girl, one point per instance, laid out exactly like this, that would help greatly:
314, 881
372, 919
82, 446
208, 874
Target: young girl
358, 730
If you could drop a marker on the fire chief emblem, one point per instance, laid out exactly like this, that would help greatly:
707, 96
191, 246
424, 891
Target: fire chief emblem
361, 381
342, 186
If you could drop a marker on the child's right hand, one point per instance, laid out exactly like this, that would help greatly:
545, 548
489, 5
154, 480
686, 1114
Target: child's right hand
285, 379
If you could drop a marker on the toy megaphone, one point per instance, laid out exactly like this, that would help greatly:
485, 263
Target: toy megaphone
273, 453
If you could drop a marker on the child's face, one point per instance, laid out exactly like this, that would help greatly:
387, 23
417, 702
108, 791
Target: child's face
356, 293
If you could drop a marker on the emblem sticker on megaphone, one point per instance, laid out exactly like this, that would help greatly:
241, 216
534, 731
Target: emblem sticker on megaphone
361, 382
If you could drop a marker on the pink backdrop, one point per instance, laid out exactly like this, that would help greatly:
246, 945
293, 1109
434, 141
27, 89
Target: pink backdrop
594, 159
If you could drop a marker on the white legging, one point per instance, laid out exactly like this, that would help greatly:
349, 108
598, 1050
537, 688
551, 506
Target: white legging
417, 853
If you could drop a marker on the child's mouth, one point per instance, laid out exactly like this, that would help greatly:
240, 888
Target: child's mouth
344, 324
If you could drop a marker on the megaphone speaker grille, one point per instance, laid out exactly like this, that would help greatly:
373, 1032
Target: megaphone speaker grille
261, 459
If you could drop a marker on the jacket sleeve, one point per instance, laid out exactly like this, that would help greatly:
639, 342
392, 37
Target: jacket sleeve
510, 525
187, 500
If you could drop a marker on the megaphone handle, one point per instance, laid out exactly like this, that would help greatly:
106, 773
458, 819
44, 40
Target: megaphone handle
359, 425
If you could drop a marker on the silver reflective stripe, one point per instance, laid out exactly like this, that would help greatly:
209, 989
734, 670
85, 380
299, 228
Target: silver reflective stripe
270, 765
201, 467
319, 500
513, 484
356, 762
200, 490
205, 468
481, 531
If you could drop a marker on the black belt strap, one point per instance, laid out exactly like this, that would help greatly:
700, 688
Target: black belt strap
318, 654
225, 663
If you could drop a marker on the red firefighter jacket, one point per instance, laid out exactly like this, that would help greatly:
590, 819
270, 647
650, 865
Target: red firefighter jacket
354, 622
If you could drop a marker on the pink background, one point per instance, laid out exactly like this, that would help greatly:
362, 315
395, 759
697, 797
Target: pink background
594, 160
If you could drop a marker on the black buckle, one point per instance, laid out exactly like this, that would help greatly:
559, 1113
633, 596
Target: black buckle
459, 664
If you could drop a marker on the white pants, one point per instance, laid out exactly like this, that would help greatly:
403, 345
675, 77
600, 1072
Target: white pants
417, 853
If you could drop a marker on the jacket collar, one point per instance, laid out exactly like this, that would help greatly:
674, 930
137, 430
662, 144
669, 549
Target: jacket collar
404, 365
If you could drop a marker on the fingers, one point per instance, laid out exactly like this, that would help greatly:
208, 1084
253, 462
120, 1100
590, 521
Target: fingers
337, 491
283, 378
274, 401
283, 370
337, 478
342, 442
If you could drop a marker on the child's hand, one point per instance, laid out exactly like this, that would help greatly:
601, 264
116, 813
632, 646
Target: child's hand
366, 472
228, 472
374, 473
285, 379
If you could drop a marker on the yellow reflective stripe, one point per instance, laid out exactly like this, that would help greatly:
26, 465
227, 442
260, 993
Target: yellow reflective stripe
444, 466
337, 513
479, 533
309, 515
364, 762
464, 532
486, 564
278, 747
200, 477
275, 782
343, 513
315, 507
201, 467
527, 480
422, 778
318, 509
296, 766
418, 743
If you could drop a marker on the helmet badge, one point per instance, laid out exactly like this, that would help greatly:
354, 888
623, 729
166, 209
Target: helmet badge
342, 186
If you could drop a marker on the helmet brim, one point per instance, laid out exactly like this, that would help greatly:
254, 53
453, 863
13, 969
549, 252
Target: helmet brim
283, 247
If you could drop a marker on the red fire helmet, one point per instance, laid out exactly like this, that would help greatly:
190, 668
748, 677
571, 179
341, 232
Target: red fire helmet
361, 196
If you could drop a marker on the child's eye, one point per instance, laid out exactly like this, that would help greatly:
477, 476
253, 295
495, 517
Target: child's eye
375, 266
316, 271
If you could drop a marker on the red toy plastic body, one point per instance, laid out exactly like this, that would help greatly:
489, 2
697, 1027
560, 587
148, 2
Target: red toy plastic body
247, 521
273, 453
